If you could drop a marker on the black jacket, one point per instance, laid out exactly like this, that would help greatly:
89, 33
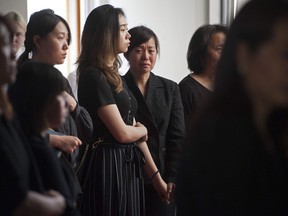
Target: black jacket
162, 114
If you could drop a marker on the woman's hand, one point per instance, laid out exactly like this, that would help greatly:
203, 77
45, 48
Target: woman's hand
65, 143
161, 187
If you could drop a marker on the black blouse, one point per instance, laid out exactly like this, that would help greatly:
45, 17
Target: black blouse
93, 82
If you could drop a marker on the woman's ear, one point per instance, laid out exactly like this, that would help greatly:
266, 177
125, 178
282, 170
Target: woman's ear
37, 41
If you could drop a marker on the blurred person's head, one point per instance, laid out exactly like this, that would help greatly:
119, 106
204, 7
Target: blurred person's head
143, 50
19, 28
7, 66
38, 97
7, 57
47, 38
252, 75
205, 48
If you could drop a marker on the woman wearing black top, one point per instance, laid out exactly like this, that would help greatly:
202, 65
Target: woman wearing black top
47, 40
112, 181
204, 51
160, 110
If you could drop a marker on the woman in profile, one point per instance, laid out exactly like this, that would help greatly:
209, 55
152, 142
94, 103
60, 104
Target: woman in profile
47, 40
112, 179
237, 162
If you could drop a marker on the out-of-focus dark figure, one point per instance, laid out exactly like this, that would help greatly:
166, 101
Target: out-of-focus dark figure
236, 162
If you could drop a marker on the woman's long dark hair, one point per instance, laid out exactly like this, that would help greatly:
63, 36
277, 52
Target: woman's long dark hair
99, 40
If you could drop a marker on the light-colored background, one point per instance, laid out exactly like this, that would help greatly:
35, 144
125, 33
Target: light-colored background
174, 22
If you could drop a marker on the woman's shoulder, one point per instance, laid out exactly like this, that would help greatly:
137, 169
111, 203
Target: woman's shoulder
167, 82
92, 73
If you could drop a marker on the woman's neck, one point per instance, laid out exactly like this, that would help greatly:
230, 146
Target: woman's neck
141, 80
205, 79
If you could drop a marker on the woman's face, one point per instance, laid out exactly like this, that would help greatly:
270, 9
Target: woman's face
143, 57
214, 50
52, 49
7, 59
266, 77
124, 36
18, 37
57, 111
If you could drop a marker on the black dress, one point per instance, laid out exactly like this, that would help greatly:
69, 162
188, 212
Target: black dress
194, 97
112, 180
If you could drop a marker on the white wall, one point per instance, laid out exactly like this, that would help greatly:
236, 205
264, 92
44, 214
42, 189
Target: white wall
174, 22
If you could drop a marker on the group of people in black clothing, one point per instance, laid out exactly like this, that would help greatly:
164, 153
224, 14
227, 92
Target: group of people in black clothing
141, 144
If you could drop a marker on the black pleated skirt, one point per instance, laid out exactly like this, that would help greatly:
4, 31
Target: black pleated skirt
112, 181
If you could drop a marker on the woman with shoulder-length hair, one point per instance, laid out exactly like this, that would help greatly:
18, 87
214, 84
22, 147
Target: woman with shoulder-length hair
204, 51
160, 110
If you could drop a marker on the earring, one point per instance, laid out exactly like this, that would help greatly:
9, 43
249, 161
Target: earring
30, 54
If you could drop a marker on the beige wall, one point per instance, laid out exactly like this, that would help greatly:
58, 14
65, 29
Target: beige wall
14, 5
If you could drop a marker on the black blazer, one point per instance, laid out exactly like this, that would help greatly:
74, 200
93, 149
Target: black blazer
162, 114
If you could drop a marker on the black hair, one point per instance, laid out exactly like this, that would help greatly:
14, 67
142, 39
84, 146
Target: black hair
41, 23
198, 46
139, 35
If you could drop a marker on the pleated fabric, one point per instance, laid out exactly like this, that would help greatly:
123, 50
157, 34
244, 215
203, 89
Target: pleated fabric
113, 183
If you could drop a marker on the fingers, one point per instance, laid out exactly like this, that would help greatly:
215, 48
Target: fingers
74, 143
70, 143
170, 187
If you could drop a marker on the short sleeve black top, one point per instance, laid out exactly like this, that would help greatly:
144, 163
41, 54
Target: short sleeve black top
95, 91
